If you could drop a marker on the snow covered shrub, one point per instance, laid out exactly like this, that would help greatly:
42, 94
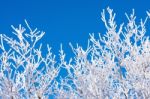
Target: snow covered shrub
114, 66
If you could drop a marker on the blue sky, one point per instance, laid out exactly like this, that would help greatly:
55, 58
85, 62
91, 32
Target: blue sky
65, 21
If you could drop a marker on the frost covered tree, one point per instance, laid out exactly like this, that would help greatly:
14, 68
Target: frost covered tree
116, 65
24, 71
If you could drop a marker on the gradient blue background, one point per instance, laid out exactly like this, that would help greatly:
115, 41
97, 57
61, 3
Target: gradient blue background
65, 21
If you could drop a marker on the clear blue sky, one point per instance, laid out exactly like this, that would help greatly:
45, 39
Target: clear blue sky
65, 21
